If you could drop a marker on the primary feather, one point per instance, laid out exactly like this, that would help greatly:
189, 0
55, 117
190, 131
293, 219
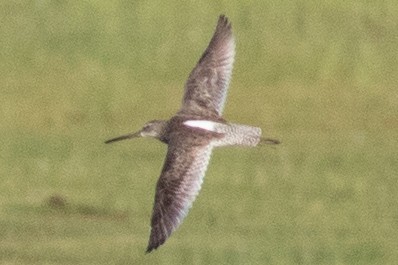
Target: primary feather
207, 85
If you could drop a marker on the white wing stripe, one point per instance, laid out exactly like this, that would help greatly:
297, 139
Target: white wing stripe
202, 124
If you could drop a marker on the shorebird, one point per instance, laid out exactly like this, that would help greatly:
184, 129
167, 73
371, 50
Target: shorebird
193, 132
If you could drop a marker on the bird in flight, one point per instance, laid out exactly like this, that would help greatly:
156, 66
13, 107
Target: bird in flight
193, 132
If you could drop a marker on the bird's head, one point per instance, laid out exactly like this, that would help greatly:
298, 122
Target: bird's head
153, 128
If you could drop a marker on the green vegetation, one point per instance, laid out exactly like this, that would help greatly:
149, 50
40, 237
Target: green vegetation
322, 76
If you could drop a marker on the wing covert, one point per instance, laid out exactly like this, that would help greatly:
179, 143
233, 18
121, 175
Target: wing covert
207, 85
177, 187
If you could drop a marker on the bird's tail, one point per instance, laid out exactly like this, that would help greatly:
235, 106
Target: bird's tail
244, 135
237, 134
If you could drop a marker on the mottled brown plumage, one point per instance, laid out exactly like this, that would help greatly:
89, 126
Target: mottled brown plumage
192, 134
207, 85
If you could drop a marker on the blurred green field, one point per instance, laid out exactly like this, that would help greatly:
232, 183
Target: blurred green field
322, 76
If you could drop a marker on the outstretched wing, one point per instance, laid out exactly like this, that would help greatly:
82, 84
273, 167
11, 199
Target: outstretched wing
207, 85
177, 187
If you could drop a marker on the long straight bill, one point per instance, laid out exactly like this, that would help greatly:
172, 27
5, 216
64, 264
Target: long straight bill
123, 137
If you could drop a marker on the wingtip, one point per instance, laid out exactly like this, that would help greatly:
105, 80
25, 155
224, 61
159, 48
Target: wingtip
154, 242
149, 250
223, 17
151, 247
223, 21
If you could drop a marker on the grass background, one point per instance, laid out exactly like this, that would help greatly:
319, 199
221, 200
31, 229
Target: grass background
322, 76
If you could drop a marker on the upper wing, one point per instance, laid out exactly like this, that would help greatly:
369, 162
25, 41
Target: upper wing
177, 187
207, 85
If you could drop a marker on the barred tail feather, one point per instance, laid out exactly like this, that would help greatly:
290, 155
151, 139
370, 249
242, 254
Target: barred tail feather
236, 134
